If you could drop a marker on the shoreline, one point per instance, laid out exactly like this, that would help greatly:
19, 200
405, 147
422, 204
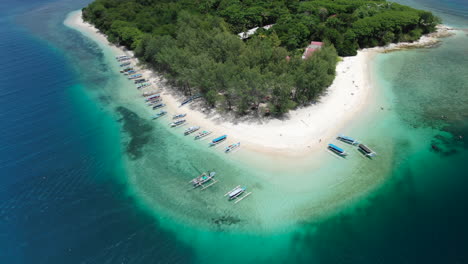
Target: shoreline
302, 131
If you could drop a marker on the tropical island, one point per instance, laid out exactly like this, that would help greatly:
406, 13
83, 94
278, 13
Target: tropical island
247, 56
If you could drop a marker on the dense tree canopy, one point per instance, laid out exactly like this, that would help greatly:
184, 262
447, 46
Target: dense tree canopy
194, 43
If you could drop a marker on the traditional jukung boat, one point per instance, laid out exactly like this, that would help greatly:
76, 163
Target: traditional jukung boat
125, 64
218, 140
236, 192
190, 99
160, 105
337, 150
190, 130
348, 140
154, 102
177, 123
135, 76
143, 85
121, 56
126, 69
130, 72
203, 178
366, 150
151, 97
146, 94
202, 134
158, 115
140, 81
178, 116
123, 59
232, 147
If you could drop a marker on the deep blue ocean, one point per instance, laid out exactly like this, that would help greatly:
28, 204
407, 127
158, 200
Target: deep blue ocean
63, 197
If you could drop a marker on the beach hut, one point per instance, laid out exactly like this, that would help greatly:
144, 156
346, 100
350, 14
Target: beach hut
313, 46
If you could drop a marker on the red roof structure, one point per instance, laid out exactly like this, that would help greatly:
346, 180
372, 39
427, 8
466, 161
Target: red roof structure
313, 46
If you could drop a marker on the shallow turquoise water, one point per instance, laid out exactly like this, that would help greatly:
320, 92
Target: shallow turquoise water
115, 187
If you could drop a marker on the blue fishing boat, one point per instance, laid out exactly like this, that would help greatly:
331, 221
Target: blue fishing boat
232, 147
348, 140
126, 69
177, 123
125, 64
236, 192
130, 72
143, 85
366, 150
135, 76
337, 150
158, 115
218, 140
203, 178
159, 106
178, 116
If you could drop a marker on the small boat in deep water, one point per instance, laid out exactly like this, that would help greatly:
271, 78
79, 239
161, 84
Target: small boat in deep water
232, 147
203, 178
366, 150
337, 150
178, 116
159, 106
202, 134
158, 115
190, 130
348, 140
218, 140
178, 123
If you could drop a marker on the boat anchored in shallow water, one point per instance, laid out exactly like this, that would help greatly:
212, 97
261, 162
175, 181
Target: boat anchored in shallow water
203, 178
134, 76
158, 115
178, 123
348, 140
202, 134
125, 64
159, 106
236, 193
232, 147
366, 150
190, 130
178, 116
337, 150
218, 140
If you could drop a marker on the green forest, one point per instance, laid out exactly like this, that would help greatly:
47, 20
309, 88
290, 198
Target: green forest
194, 43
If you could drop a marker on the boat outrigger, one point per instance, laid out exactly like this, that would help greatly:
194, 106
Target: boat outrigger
178, 123
190, 130
158, 115
348, 140
232, 147
337, 150
135, 76
237, 193
178, 116
218, 140
366, 150
159, 106
203, 178
202, 134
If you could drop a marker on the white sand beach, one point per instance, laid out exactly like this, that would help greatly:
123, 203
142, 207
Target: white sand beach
301, 131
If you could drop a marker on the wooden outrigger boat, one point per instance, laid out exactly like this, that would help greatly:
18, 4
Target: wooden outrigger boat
366, 150
190, 130
135, 76
120, 56
158, 115
337, 150
126, 69
143, 85
160, 105
149, 93
125, 64
178, 123
178, 116
190, 99
124, 59
151, 97
236, 193
202, 179
218, 140
154, 102
348, 140
140, 81
202, 134
230, 148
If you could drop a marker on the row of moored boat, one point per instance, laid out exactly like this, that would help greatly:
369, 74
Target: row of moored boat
360, 147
